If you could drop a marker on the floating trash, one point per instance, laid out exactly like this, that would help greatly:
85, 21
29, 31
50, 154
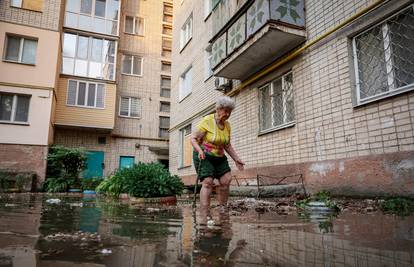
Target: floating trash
76, 204
106, 251
53, 201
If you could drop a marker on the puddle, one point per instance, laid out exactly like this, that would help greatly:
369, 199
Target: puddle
77, 231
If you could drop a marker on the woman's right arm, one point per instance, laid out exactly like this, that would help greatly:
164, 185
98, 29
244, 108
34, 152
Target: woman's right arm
196, 139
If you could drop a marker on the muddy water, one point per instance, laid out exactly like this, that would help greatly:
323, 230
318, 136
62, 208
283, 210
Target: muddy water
85, 232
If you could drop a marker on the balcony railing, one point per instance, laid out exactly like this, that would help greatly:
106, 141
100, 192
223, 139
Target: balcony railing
254, 31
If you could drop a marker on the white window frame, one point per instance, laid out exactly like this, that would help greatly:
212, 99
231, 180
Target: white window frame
88, 59
181, 144
186, 32
93, 16
129, 107
86, 94
132, 66
134, 30
21, 45
184, 92
14, 109
285, 123
389, 67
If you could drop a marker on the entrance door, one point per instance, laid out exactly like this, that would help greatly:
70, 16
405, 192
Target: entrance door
126, 162
94, 165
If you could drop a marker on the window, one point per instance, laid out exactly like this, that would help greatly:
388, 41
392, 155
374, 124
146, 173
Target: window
14, 108
208, 70
384, 57
164, 126
186, 32
167, 18
166, 43
185, 84
130, 107
21, 50
165, 92
166, 53
186, 149
166, 66
164, 107
88, 56
85, 94
167, 30
276, 103
93, 15
35, 5
134, 25
168, 9
132, 65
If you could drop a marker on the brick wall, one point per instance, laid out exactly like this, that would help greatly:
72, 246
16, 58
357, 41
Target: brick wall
47, 19
24, 158
327, 125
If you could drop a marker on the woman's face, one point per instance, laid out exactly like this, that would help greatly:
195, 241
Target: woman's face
223, 114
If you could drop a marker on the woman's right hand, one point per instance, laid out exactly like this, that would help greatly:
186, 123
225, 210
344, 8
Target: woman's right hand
201, 155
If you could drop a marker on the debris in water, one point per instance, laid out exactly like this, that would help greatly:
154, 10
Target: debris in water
10, 205
106, 251
53, 201
76, 204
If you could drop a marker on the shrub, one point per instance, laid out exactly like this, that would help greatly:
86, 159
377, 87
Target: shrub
142, 180
56, 185
399, 206
65, 163
4, 181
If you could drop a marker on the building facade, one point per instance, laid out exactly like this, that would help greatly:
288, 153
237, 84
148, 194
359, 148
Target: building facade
29, 45
114, 85
94, 74
325, 93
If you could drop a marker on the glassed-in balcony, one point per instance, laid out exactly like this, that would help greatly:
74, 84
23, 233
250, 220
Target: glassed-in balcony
248, 35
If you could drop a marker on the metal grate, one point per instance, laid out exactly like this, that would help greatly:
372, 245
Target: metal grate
276, 103
384, 56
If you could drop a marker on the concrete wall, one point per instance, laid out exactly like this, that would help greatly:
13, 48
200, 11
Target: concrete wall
44, 71
365, 149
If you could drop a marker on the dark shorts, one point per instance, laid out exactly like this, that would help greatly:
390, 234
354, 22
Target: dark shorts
211, 166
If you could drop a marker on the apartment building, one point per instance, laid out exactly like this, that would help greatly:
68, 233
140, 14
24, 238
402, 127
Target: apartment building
113, 97
29, 45
322, 89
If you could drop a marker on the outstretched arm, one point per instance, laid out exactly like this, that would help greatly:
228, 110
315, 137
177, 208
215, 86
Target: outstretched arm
239, 163
196, 139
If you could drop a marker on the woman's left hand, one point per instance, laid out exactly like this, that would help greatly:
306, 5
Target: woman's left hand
239, 164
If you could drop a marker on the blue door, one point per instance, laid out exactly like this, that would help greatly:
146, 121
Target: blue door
94, 165
126, 162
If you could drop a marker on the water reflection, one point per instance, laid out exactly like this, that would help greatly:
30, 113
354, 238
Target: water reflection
90, 232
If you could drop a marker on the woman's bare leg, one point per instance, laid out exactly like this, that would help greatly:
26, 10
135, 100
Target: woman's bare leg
223, 192
205, 193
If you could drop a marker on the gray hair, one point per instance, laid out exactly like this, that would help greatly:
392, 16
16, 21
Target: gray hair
225, 102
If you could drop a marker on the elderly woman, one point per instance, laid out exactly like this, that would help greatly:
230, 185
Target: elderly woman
210, 140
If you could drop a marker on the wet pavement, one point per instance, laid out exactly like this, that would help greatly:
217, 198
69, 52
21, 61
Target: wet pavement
84, 231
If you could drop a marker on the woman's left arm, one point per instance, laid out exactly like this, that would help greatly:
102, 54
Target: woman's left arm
239, 163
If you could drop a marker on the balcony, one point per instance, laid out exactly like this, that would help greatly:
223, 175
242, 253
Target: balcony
250, 35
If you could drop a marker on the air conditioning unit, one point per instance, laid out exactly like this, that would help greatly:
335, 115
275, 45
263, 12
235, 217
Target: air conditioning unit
222, 84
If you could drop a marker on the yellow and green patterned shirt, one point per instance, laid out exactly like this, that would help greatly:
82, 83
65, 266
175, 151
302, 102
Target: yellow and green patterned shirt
215, 139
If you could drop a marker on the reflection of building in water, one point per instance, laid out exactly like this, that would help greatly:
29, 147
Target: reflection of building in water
272, 244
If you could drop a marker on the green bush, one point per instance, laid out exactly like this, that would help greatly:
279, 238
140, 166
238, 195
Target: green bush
4, 181
142, 180
56, 185
65, 164
399, 206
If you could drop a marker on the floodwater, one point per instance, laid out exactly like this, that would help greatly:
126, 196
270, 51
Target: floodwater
85, 232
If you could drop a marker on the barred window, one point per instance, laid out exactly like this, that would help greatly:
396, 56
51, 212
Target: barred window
384, 57
276, 103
